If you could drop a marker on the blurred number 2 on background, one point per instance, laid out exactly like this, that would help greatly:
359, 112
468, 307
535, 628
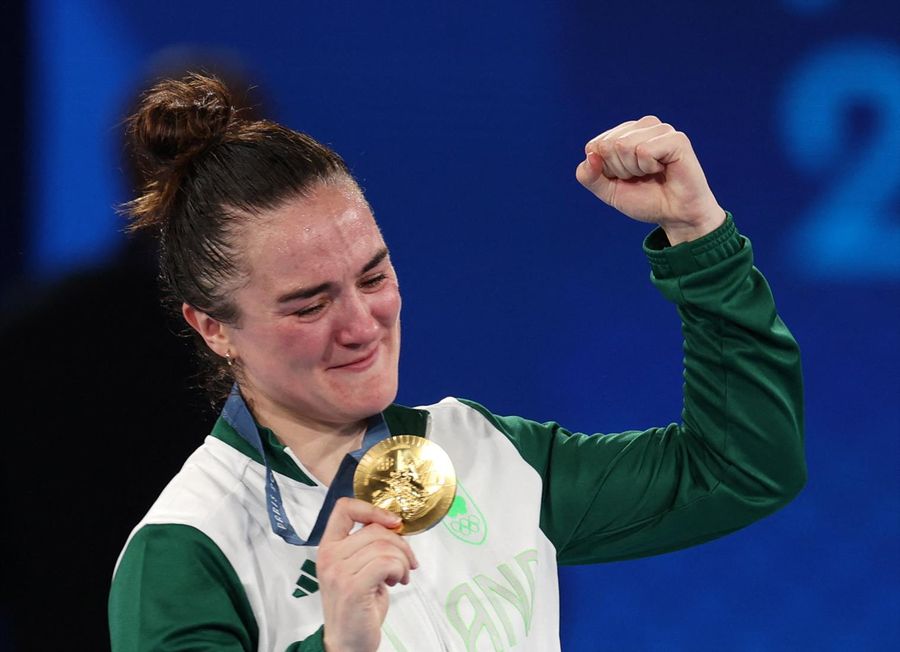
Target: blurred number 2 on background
851, 229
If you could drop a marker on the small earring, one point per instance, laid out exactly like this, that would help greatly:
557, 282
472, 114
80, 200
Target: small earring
228, 359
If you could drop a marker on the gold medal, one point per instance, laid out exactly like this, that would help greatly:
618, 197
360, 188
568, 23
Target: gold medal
409, 476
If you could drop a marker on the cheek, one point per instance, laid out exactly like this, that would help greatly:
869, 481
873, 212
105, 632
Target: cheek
295, 345
387, 308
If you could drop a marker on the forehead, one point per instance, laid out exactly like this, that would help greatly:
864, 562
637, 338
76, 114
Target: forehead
311, 239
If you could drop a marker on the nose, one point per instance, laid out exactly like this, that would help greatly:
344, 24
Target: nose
357, 326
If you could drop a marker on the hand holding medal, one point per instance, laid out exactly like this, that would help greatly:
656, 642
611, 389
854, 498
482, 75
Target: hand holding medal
402, 477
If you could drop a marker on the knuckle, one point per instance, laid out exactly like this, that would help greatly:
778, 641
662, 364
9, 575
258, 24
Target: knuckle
374, 529
384, 547
652, 119
378, 545
604, 148
394, 563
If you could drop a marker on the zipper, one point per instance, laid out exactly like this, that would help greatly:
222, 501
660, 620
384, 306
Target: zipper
438, 630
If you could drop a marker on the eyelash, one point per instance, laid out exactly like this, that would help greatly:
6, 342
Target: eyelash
309, 312
375, 281
368, 284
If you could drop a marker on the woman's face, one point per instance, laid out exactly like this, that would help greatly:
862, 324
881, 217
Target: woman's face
318, 334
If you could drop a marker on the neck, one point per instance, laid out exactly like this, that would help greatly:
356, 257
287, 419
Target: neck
321, 452
319, 446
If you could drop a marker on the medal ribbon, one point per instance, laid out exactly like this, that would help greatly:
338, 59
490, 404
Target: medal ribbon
238, 417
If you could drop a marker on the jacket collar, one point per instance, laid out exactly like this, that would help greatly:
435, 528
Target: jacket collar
236, 416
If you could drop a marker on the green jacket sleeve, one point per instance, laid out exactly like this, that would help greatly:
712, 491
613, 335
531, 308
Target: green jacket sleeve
174, 590
315, 642
736, 456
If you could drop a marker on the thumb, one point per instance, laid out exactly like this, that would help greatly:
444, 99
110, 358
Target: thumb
587, 173
590, 175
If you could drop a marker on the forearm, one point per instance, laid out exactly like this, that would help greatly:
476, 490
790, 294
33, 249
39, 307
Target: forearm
743, 386
738, 453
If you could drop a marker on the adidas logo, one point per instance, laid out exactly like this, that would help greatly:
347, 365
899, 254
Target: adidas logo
306, 583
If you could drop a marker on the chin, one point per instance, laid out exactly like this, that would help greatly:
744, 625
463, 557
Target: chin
363, 405
379, 403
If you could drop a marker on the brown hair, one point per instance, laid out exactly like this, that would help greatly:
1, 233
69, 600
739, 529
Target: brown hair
206, 174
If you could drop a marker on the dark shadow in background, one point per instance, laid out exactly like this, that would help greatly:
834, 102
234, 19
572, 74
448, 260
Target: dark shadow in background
12, 113
12, 177
101, 410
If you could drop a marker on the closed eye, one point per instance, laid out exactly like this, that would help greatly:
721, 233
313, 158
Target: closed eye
310, 310
374, 281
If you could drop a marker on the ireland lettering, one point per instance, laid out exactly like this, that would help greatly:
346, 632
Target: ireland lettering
491, 612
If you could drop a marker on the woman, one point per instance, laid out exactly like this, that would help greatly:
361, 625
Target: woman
272, 255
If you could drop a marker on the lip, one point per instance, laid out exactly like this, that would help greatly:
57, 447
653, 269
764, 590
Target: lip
360, 364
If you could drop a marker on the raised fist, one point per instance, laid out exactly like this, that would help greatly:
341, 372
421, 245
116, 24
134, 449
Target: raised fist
648, 171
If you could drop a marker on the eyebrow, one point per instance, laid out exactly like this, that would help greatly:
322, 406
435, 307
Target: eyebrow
307, 293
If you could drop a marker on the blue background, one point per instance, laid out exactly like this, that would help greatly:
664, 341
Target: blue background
464, 124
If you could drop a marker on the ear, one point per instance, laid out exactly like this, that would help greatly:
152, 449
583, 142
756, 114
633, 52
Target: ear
213, 332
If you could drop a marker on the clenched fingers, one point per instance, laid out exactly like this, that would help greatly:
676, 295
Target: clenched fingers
372, 555
378, 561
618, 130
622, 152
371, 534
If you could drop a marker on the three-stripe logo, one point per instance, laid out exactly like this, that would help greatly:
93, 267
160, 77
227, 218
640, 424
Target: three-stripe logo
306, 583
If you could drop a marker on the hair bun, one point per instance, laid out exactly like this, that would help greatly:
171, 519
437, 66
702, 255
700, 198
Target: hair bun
178, 119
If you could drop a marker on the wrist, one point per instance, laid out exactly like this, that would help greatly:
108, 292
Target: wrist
329, 645
678, 232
